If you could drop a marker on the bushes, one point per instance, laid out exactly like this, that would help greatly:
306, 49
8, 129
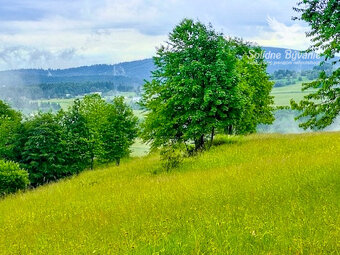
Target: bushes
12, 177
171, 157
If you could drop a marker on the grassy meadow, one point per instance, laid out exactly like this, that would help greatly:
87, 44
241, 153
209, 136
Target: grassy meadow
283, 95
262, 194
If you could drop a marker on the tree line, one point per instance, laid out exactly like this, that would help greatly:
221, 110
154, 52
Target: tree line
66, 89
52, 146
285, 77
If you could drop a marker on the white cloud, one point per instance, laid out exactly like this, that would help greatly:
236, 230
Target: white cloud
88, 47
279, 34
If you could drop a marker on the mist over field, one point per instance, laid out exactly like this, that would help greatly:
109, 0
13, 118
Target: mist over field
285, 123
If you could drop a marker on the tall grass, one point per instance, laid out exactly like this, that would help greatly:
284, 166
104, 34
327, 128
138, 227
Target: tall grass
264, 194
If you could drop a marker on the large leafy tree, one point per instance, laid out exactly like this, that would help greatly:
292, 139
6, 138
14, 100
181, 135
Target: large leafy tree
198, 87
194, 88
323, 105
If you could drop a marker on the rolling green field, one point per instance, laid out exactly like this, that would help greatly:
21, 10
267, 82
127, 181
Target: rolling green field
262, 194
283, 95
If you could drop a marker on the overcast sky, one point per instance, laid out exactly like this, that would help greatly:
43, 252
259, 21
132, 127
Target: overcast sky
66, 33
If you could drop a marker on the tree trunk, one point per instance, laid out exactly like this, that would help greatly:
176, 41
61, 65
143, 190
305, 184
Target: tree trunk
230, 130
92, 162
117, 161
212, 136
199, 143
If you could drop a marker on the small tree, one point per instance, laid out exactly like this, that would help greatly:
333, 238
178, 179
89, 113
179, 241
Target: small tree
322, 106
94, 110
171, 156
119, 131
77, 138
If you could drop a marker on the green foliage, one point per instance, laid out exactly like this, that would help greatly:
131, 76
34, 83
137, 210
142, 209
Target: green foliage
289, 77
12, 177
76, 137
198, 88
255, 87
119, 131
52, 146
43, 149
323, 105
9, 124
94, 110
112, 127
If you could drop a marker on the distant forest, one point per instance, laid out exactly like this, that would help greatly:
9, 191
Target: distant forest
288, 77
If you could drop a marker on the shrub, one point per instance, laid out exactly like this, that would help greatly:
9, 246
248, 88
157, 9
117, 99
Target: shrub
12, 177
171, 157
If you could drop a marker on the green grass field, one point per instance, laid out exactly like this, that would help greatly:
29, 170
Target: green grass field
262, 194
283, 95
65, 103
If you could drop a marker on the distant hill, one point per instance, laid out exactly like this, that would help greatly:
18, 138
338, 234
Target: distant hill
134, 72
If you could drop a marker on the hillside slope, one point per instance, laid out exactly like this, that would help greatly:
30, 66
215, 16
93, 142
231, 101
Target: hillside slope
268, 194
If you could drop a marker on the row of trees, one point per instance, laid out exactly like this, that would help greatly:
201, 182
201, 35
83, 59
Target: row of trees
52, 146
67, 89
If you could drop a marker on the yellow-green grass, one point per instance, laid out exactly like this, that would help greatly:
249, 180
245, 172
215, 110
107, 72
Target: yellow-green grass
283, 95
263, 194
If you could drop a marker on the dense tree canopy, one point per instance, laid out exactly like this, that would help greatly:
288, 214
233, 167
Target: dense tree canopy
323, 105
198, 87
